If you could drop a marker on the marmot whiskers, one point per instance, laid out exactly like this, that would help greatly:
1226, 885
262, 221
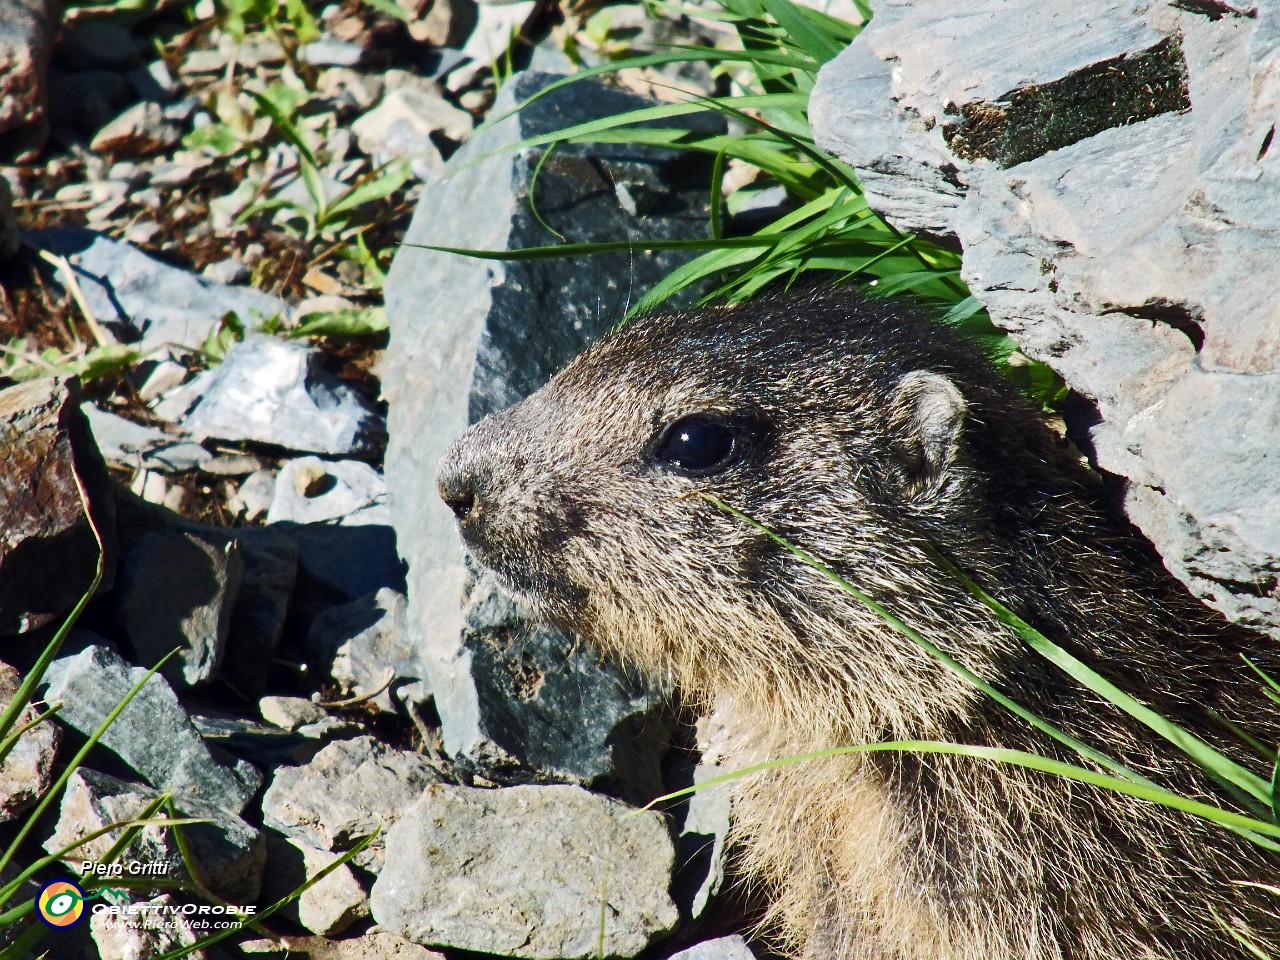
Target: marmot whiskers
867, 436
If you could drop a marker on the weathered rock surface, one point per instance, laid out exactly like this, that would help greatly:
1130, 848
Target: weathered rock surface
520, 872
53, 483
311, 490
27, 771
137, 297
326, 908
27, 31
349, 789
177, 591
1114, 186
152, 734
724, 948
228, 853
269, 562
469, 337
366, 645
547, 704
272, 391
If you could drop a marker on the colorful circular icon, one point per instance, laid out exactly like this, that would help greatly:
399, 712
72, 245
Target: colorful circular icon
60, 903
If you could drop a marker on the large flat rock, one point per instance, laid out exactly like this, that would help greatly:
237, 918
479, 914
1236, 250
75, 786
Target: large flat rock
472, 336
523, 871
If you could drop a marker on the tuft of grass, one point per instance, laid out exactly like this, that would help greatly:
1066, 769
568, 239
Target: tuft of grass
827, 233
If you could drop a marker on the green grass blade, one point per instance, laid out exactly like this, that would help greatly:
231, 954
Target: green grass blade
1202, 753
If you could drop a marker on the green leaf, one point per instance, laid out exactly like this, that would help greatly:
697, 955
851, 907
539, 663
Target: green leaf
343, 324
391, 9
378, 185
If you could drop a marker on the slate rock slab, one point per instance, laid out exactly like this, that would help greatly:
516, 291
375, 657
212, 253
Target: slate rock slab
53, 483
178, 591
269, 390
520, 872
228, 853
153, 734
139, 298
1116, 191
27, 771
348, 790
549, 705
472, 336
27, 32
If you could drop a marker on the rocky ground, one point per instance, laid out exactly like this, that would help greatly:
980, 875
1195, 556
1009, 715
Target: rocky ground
196, 226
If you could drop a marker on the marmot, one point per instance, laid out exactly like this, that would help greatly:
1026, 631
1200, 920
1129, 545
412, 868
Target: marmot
869, 436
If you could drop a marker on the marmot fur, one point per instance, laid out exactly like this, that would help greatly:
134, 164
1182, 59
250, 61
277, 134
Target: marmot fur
868, 436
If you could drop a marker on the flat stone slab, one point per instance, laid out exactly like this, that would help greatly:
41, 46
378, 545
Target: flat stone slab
523, 872
153, 734
139, 298
350, 789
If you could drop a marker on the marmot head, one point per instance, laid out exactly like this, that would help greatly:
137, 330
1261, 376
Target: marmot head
838, 423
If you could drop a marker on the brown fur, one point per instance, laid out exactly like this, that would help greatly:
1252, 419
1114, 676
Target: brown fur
865, 435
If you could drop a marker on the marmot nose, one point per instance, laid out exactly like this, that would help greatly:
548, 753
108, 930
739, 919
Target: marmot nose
461, 501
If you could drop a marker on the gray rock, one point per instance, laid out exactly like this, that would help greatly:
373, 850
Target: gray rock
27, 31
159, 374
228, 854
253, 497
141, 129
546, 707
1130, 245
177, 591
469, 337
127, 443
350, 789
521, 871
326, 575
289, 713
125, 940
27, 771
704, 833
140, 298
364, 643
724, 948
153, 81
326, 908
153, 735
270, 566
272, 391
55, 490
230, 270
401, 127
332, 53
311, 490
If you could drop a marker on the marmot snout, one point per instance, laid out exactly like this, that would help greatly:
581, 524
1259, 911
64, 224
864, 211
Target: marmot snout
870, 437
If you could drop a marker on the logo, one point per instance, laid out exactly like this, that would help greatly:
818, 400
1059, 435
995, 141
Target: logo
60, 904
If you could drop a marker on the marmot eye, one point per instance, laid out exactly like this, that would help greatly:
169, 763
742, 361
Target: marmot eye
698, 445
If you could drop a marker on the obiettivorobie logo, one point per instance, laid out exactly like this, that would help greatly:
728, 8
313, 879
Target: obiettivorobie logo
60, 903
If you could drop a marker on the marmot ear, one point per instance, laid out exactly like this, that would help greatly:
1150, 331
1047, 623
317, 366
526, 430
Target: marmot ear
926, 416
